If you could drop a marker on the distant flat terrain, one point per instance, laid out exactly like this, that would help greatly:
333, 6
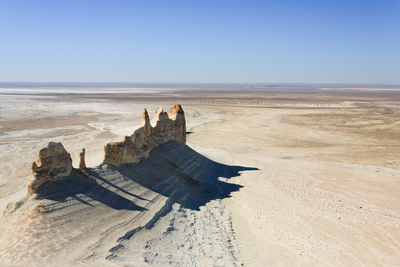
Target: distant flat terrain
308, 175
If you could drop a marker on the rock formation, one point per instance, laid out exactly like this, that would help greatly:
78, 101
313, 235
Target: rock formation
82, 163
53, 162
169, 126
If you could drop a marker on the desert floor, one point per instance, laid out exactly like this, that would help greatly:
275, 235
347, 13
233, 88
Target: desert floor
307, 179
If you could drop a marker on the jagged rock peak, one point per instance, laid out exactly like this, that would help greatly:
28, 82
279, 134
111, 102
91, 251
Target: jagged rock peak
161, 114
145, 118
176, 109
176, 113
168, 127
53, 162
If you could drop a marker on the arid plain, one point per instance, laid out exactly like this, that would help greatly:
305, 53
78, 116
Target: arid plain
312, 178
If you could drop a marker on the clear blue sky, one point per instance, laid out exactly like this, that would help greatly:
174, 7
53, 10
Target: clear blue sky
200, 41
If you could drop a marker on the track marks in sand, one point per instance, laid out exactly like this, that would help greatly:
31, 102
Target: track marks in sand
183, 237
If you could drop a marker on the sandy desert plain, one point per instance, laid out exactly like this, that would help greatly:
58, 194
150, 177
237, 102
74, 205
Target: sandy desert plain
305, 177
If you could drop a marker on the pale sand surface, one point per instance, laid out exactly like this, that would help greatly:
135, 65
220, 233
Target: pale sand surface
325, 190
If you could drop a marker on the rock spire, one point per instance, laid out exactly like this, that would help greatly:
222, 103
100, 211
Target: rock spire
169, 126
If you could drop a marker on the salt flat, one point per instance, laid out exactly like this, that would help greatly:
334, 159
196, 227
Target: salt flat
309, 178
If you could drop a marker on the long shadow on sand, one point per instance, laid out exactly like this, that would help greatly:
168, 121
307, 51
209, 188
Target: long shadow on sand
180, 173
172, 169
77, 185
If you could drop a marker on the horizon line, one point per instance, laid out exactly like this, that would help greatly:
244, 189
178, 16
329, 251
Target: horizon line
193, 83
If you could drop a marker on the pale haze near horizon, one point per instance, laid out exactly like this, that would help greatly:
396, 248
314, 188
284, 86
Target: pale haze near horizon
204, 41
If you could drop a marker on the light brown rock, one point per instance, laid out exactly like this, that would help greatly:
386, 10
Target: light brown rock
53, 162
82, 163
169, 126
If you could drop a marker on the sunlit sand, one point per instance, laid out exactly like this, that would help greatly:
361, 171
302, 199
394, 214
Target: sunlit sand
305, 177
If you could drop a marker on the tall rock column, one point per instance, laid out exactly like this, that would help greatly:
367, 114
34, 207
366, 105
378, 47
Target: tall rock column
82, 163
177, 114
146, 127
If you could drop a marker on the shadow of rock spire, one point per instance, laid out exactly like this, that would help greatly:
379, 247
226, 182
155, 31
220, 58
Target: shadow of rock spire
172, 169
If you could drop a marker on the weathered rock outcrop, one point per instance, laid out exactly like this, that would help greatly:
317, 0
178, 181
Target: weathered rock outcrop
169, 126
53, 162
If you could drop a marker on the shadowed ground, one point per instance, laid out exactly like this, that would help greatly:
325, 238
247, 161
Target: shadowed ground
173, 170
114, 203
